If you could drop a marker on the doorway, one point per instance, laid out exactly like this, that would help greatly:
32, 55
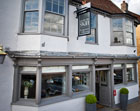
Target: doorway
103, 91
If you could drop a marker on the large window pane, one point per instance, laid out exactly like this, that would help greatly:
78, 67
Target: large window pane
118, 76
28, 86
118, 37
53, 84
92, 37
128, 25
31, 4
80, 81
56, 6
117, 24
49, 5
31, 22
53, 23
129, 38
130, 72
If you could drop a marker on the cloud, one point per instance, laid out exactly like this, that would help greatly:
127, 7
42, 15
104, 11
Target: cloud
133, 5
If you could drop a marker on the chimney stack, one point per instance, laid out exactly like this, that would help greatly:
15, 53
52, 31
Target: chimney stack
124, 6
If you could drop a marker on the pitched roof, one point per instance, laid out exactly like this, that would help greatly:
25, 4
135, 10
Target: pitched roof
109, 7
104, 5
134, 15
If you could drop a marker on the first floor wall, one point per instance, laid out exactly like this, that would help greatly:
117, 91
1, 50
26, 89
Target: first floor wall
6, 84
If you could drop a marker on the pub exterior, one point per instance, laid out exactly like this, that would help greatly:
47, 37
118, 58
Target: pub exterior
60, 51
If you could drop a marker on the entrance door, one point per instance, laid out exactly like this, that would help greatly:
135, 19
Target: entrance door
103, 87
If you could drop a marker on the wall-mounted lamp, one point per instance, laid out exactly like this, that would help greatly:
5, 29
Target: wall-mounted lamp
2, 55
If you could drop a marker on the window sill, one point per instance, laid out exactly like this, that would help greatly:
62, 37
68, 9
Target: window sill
125, 85
123, 45
51, 100
91, 43
55, 35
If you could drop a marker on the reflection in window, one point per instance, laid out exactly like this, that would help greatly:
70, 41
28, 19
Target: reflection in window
118, 33
103, 77
53, 85
80, 81
130, 72
56, 6
53, 23
117, 30
118, 74
31, 16
28, 86
129, 32
54, 16
92, 38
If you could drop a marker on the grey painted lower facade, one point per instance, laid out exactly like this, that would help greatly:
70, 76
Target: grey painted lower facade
22, 65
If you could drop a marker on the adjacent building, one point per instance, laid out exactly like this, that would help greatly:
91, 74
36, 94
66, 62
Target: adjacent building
50, 68
138, 48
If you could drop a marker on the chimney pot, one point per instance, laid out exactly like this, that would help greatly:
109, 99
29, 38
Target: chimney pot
124, 6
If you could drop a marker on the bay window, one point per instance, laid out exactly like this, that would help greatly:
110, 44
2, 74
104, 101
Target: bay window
48, 17
92, 38
122, 31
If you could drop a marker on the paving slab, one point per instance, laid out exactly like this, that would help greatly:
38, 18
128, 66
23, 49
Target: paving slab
131, 107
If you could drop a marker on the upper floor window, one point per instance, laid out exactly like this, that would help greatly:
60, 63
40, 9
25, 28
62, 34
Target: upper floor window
54, 16
129, 32
51, 12
118, 30
92, 37
122, 31
31, 16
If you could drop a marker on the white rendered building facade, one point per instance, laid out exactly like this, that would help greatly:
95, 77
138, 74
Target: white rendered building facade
44, 50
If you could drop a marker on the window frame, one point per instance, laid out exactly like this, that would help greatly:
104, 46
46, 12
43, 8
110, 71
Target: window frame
57, 73
124, 68
124, 32
20, 78
123, 73
96, 30
23, 17
41, 14
65, 25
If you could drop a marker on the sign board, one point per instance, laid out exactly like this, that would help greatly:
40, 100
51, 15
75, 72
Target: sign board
84, 20
84, 24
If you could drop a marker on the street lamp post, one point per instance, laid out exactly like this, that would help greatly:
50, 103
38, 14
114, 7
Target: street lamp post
2, 55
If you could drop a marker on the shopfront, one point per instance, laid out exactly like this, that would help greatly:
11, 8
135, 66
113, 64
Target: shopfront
61, 79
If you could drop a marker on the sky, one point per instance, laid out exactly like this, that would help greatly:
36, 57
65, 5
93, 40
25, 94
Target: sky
133, 5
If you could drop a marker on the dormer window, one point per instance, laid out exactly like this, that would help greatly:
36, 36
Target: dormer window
122, 31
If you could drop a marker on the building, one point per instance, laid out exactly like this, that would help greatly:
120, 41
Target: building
138, 48
50, 68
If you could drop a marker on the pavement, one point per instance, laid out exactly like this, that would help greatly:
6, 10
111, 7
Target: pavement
131, 107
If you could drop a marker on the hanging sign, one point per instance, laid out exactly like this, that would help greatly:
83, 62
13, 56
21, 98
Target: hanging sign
84, 20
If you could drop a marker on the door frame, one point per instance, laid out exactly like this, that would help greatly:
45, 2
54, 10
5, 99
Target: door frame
109, 80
